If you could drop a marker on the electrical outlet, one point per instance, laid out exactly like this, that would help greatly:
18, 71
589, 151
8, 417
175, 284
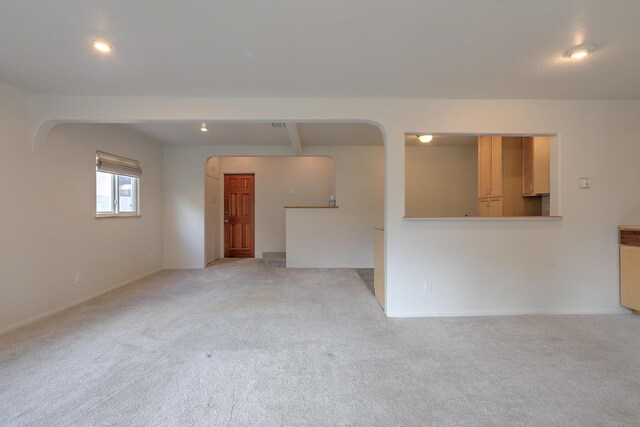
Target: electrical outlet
78, 278
585, 183
427, 286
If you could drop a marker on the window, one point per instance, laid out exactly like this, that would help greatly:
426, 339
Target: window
117, 185
481, 176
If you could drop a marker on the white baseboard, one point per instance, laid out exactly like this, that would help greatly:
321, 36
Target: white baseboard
509, 313
73, 304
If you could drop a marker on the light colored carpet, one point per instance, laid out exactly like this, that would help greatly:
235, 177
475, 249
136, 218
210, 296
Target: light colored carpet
226, 261
241, 344
366, 274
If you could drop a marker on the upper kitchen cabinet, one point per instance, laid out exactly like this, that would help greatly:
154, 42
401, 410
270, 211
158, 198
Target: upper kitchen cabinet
535, 166
500, 178
489, 166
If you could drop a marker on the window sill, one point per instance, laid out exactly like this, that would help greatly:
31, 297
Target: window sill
118, 216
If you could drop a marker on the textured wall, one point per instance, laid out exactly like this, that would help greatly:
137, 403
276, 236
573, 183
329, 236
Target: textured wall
48, 225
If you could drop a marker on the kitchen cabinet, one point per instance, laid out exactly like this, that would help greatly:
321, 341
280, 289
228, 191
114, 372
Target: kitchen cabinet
489, 176
489, 166
630, 267
490, 207
502, 162
535, 166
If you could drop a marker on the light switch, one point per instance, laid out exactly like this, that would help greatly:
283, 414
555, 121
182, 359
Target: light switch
585, 183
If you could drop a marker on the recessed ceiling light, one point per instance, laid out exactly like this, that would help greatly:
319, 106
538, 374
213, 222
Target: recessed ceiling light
203, 128
103, 46
425, 138
579, 52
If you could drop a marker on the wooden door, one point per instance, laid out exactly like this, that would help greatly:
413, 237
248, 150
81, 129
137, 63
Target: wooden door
239, 220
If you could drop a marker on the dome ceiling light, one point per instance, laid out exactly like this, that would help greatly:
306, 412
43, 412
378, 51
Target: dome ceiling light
580, 51
425, 139
103, 46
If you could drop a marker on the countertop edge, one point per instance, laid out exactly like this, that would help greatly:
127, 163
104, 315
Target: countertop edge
478, 218
311, 207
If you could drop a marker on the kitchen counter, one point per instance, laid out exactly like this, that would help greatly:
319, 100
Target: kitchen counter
311, 207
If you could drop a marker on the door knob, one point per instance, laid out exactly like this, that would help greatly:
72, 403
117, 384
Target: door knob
226, 221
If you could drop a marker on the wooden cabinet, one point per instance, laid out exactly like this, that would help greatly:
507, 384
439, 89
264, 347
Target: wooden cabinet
630, 268
535, 166
490, 207
489, 166
507, 165
489, 176
484, 207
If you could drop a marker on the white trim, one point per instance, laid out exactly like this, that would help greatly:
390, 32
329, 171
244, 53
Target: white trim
484, 218
133, 215
73, 304
563, 312
116, 212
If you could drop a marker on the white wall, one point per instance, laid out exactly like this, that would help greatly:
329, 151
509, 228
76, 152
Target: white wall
441, 181
213, 205
310, 178
360, 198
477, 266
342, 237
48, 225
18, 212
525, 266
184, 199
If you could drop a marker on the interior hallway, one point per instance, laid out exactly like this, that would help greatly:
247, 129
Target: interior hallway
240, 344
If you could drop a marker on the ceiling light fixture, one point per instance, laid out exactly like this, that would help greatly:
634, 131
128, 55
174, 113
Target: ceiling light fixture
103, 46
579, 52
204, 128
425, 139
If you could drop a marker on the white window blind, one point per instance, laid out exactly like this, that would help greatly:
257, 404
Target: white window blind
119, 165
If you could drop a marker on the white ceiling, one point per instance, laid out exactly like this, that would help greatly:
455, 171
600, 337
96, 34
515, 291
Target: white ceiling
221, 133
251, 133
443, 141
367, 48
345, 134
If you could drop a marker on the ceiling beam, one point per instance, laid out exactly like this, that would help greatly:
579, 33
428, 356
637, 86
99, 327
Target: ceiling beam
294, 135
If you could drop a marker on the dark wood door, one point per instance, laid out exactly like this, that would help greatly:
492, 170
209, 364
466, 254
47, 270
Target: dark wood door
239, 220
